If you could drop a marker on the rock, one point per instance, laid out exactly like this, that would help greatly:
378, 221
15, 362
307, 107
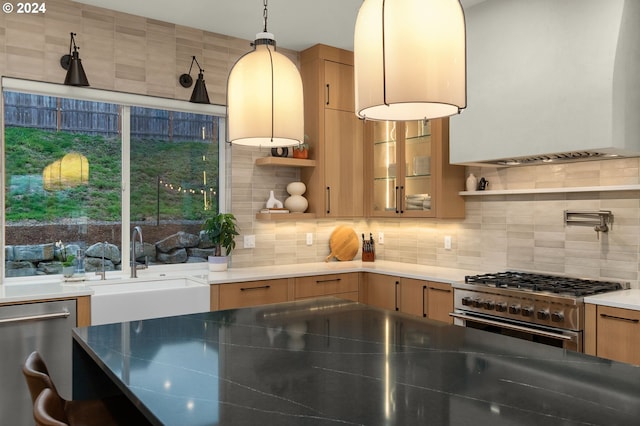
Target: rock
178, 240
205, 242
50, 268
8, 253
94, 264
111, 252
200, 252
19, 269
174, 256
35, 253
145, 250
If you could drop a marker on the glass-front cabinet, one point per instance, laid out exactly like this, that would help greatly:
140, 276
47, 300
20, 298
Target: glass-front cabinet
409, 170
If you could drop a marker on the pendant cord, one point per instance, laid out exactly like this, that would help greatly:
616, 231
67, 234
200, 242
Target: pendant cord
265, 16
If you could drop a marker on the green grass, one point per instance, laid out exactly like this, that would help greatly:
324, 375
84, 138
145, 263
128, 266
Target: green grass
29, 151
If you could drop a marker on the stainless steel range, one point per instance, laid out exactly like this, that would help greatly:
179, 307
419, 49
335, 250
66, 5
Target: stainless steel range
544, 308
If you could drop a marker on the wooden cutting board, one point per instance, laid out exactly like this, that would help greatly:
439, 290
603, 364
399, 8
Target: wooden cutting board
343, 243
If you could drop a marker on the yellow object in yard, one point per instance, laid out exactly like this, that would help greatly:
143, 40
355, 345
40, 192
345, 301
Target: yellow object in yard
343, 243
71, 171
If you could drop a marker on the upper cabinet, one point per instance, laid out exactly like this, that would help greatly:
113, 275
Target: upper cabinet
335, 135
408, 173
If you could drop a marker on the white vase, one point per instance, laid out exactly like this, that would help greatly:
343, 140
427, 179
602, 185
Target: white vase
472, 182
272, 202
296, 188
296, 203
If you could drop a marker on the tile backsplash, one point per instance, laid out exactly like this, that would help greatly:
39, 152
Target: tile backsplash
508, 231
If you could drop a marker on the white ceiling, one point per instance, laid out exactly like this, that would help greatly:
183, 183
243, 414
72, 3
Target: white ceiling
296, 24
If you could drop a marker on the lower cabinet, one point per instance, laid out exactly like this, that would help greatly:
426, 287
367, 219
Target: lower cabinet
439, 301
421, 298
340, 285
263, 292
617, 333
252, 293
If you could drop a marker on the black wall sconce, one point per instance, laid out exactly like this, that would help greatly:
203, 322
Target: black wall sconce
71, 62
199, 94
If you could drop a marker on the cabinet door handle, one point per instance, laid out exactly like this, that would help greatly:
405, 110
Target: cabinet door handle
440, 289
424, 299
63, 314
397, 199
327, 95
328, 280
396, 295
328, 199
613, 317
262, 287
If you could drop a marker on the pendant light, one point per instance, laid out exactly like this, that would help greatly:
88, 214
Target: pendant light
264, 97
410, 59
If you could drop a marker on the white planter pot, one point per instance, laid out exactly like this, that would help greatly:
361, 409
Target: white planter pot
218, 263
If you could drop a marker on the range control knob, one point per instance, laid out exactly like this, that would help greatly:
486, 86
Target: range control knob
489, 304
514, 309
557, 316
467, 301
543, 314
501, 307
527, 311
477, 303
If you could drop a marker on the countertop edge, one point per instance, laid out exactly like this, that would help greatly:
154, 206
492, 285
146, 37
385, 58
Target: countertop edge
625, 299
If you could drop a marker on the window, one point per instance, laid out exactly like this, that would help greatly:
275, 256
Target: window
83, 166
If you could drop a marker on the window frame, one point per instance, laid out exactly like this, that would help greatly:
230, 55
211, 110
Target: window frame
126, 101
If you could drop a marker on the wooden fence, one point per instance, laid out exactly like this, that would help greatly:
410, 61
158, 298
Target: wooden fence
99, 118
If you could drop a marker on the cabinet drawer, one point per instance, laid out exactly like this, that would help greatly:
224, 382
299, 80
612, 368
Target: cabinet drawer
323, 285
618, 334
252, 293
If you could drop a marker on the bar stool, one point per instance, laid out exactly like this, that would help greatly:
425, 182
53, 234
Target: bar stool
97, 412
48, 410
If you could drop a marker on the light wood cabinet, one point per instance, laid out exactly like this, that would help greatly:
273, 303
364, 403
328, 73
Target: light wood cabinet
439, 301
340, 285
408, 172
252, 293
616, 335
335, 135
420, 298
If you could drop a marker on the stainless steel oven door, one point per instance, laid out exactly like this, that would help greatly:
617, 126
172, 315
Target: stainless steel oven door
560, 338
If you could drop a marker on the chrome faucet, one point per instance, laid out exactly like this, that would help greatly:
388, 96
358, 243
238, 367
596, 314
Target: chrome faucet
134, 267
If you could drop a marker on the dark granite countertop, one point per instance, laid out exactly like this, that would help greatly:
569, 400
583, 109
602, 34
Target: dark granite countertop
333, 362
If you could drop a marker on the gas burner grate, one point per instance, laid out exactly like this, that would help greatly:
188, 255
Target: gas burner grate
543, 283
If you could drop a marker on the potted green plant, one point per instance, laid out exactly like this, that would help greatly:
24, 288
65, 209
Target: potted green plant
67, 260
221, 229
302, 150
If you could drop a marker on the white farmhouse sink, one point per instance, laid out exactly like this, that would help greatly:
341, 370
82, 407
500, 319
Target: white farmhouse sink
133, 299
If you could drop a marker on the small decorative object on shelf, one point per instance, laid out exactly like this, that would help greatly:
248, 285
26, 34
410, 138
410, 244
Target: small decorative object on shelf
296, 203
482, 184
472, 182
272, 202
274, 210
280, 152
301, 151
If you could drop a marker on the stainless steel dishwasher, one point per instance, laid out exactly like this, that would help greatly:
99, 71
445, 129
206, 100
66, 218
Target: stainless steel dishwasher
42, 326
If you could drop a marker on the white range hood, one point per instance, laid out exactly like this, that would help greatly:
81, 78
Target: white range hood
550, 80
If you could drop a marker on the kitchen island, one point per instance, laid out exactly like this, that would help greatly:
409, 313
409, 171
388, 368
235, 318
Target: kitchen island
330, 361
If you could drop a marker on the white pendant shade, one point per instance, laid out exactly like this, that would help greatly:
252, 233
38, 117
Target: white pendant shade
410, 59
264, 98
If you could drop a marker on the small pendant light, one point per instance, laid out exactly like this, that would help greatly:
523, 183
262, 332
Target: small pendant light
264, 97
410, 59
